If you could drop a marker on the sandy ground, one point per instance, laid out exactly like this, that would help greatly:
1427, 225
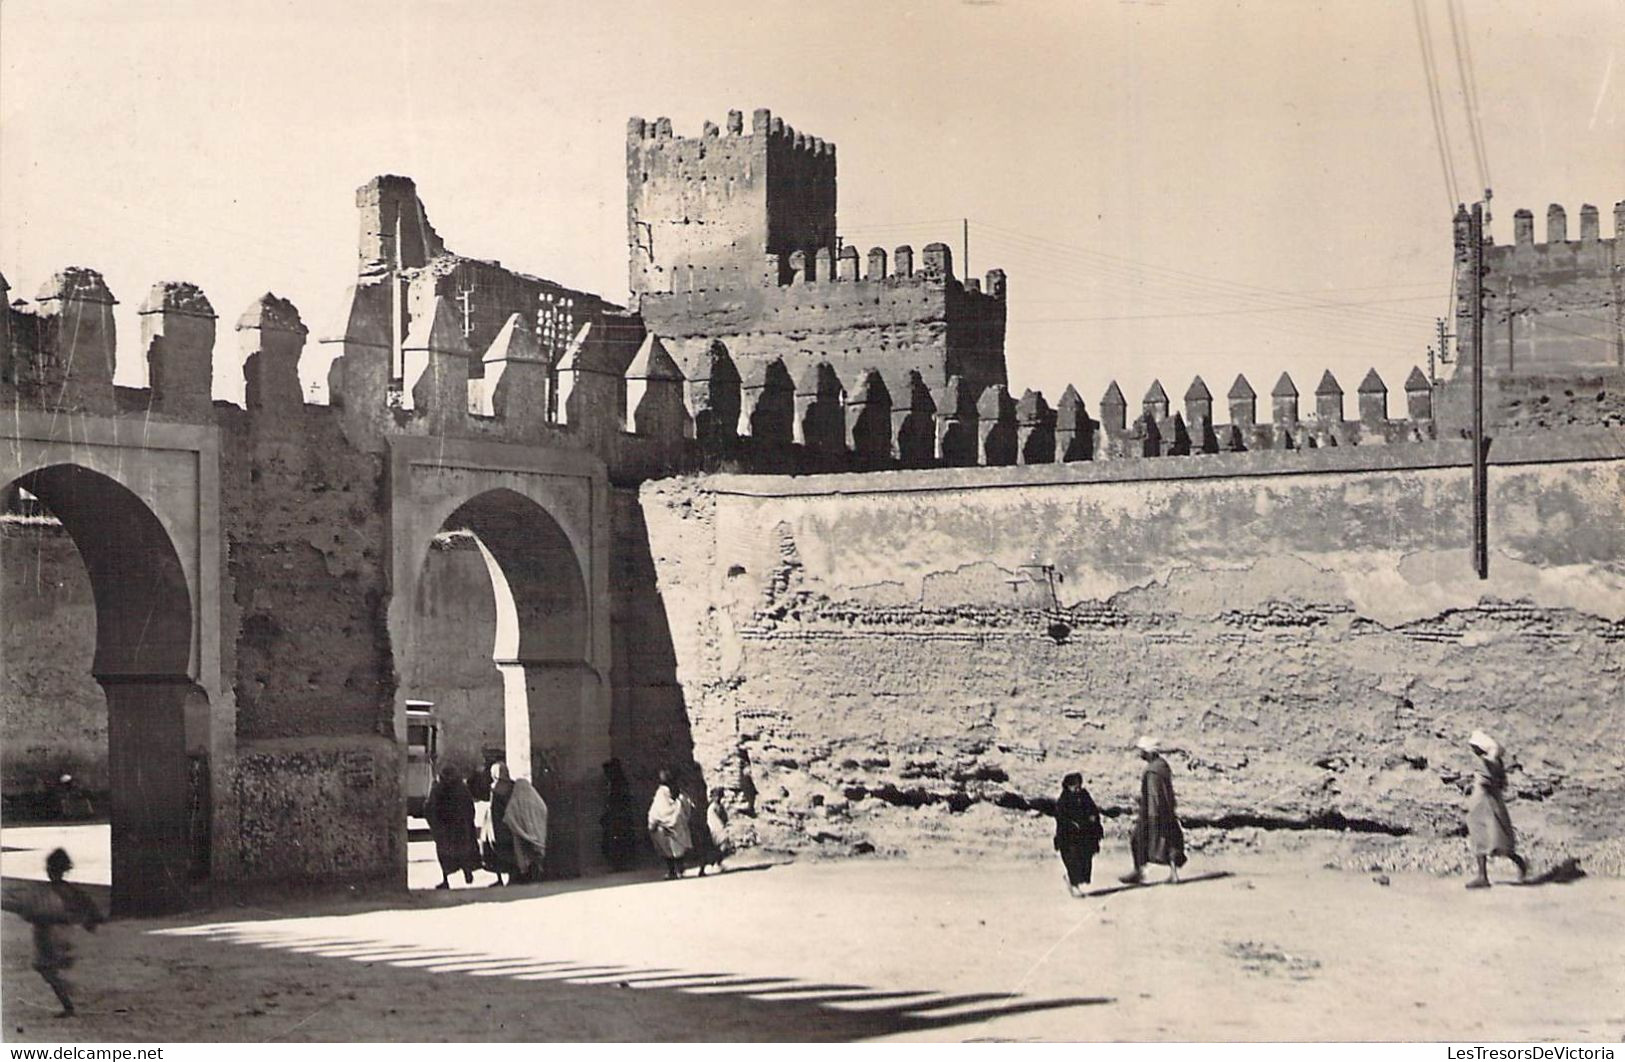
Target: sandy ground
1279, 949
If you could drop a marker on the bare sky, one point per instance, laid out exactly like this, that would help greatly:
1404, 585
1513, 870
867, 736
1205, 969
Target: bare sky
1174, 186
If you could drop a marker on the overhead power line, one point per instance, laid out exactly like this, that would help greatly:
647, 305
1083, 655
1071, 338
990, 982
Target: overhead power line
1088, 266
1216, 313
1441, 133
1469, 88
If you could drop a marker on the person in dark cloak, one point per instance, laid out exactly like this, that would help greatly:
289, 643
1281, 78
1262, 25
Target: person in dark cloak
479, 785
1077, 831
619, 821
450, 811
747, 785
1157, 836
60, 905
1489, 827
496, 839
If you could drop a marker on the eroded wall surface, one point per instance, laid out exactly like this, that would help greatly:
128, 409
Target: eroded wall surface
52, 712
1305, 631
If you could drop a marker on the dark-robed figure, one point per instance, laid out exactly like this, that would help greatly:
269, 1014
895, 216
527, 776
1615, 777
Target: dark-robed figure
619, 820
450, 811
1157, 836
496, 840
1077, 831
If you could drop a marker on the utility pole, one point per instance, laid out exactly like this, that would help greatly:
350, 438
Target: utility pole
1481, 553
964, 243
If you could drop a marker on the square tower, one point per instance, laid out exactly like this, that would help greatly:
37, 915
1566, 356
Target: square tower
725, 209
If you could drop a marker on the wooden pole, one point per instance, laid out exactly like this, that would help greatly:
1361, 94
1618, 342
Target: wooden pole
1481, 553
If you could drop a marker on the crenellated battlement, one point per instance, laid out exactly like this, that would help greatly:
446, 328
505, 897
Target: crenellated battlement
721, 201
1552, 306
658, 135
870, 359
651, 404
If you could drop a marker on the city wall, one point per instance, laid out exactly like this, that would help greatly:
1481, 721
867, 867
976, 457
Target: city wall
902, 659
912, 660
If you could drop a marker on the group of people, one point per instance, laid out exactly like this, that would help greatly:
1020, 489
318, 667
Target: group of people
511, 840
1158, 837
671, 828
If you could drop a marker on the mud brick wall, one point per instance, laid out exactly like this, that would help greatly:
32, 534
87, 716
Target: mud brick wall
305, 526
1304, 630
1533, 403
52, 712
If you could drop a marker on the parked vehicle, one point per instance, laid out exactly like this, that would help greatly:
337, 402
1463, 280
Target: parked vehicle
422, 747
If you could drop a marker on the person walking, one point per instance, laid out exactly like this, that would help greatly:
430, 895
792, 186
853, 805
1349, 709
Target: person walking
1489, 827
719, 845
526, 819
669, 814
619, 820
60, 905
450, 811
1157, 836
496, 839
1077, 831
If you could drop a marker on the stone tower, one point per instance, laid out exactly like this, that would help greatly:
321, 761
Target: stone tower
705, 212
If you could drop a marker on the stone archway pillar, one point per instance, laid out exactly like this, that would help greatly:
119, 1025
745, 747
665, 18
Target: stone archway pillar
150, 777
568, 737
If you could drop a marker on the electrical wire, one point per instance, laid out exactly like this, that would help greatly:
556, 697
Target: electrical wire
1441, 133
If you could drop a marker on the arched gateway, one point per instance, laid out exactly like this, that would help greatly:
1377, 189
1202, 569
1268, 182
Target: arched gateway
141, 505
542, 523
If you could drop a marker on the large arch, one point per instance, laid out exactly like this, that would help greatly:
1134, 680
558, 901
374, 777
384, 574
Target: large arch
141, 504
540, 521
142, 661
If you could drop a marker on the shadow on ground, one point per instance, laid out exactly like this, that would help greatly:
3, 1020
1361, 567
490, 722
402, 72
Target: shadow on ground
517, 997
1112, 890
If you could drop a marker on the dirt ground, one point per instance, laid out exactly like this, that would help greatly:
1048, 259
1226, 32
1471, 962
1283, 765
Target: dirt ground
1248, 948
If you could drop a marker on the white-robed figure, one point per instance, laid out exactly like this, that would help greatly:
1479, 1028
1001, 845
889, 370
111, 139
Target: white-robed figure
526, 818
1489, 827
669, 814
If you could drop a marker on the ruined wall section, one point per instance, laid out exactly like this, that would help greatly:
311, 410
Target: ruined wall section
910, 661
467, 349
